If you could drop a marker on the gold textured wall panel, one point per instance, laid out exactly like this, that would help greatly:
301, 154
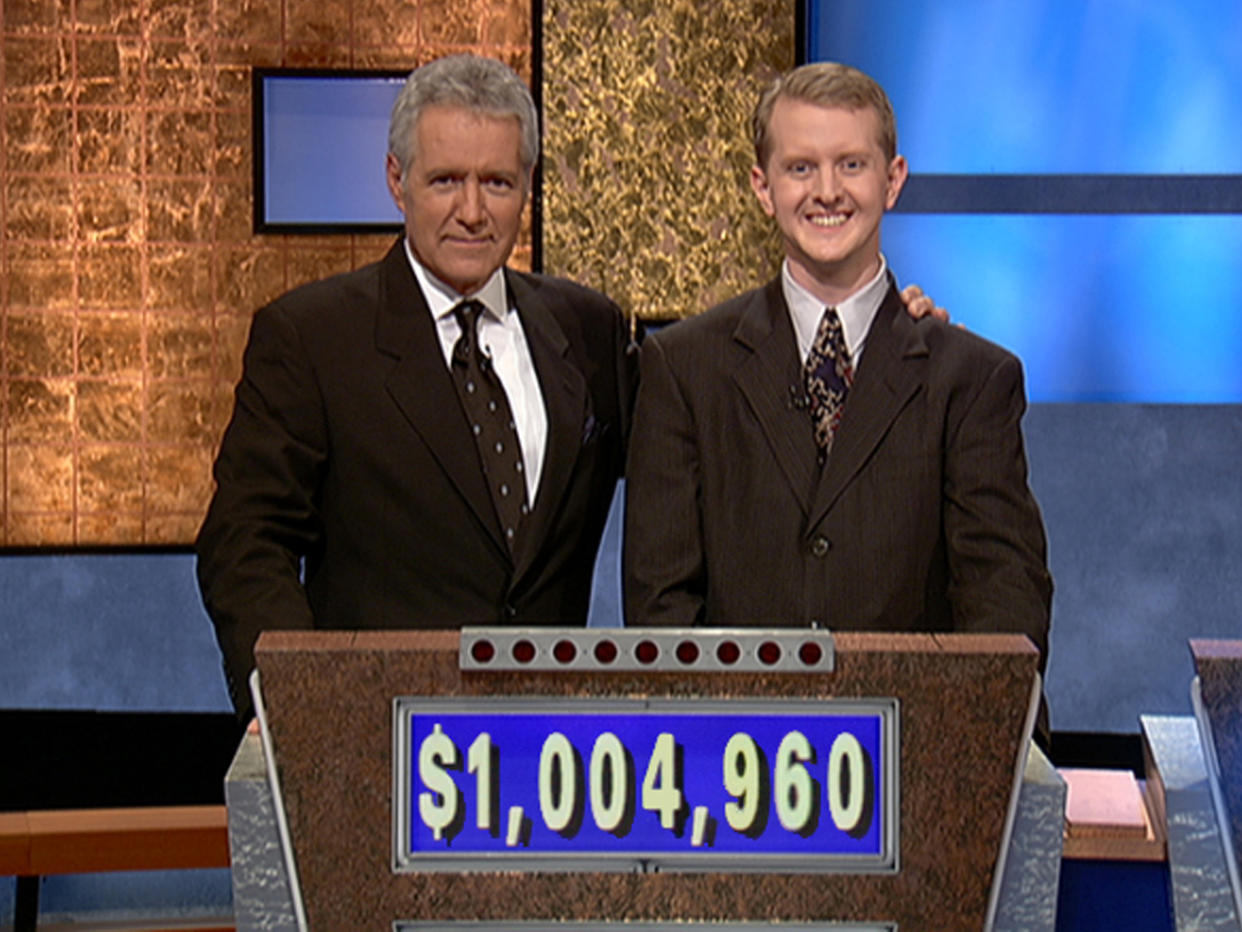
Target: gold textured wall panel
130, 270
647, 111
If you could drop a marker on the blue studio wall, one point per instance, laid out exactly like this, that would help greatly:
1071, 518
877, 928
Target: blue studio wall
106, 632
1076, 181
1076, 195
127, 632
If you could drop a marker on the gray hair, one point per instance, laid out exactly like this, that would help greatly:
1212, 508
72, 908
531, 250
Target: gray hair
470, 81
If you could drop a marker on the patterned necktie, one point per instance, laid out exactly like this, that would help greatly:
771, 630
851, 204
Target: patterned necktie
829, 375
491, 422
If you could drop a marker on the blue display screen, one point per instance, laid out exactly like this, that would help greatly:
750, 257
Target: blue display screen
1112, 86
800, 783
323, 143
1130, 297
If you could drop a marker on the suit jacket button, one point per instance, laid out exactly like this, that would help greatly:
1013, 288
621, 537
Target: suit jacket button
820, 546
510, 611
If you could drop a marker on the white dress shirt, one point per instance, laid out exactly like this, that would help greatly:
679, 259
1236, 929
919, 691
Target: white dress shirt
856, 312
502, 338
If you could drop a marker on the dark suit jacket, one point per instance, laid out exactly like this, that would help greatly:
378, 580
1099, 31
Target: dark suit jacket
348, 450
920, 521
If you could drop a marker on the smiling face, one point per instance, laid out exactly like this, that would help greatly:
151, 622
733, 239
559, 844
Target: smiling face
828, 182
463, 194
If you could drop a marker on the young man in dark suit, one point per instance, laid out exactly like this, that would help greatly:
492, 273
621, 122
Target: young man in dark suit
359, 484
808, 455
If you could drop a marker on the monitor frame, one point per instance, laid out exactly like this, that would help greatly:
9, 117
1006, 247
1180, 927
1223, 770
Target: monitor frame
262, 223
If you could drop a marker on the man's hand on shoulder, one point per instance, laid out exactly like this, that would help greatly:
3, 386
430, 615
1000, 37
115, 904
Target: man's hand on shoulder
920, 305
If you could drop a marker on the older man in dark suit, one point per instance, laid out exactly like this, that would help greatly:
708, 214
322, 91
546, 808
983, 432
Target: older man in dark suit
432, 440
806, 454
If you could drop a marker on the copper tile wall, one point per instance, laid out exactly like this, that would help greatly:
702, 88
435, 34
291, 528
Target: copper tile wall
129, 267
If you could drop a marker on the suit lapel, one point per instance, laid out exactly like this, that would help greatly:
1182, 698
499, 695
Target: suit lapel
565, 398
771, 381
888, 377
422, 387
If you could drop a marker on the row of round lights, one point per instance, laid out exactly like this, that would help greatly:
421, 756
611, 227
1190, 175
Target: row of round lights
647, 652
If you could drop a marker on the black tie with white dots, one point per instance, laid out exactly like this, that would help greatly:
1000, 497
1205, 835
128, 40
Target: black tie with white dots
491, 421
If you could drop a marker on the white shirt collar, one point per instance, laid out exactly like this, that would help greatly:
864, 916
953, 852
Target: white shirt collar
856, 312
442, 298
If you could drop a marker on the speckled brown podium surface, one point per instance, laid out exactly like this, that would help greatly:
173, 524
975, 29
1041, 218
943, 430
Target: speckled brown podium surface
963, 703
1219, 665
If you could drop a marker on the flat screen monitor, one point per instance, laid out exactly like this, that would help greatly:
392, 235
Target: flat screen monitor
320, 142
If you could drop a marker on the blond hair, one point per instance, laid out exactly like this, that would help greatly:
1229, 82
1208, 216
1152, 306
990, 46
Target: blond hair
827, 84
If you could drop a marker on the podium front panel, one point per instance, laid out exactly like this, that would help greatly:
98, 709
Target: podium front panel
1218, 664
956, 722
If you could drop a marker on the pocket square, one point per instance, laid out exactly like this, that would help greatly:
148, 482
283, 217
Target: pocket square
592, 429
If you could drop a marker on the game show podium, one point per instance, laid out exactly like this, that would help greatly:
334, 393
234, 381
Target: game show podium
644, 779
1194, 790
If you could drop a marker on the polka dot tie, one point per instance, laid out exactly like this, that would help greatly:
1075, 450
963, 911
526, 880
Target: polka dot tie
829, 375
491, 422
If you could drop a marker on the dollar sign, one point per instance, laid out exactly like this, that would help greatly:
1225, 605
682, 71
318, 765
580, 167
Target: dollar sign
438, 808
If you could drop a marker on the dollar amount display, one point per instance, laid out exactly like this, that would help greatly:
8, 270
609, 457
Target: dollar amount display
652, 782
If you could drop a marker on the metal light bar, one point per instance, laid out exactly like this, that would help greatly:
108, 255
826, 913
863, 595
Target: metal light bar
626, 650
